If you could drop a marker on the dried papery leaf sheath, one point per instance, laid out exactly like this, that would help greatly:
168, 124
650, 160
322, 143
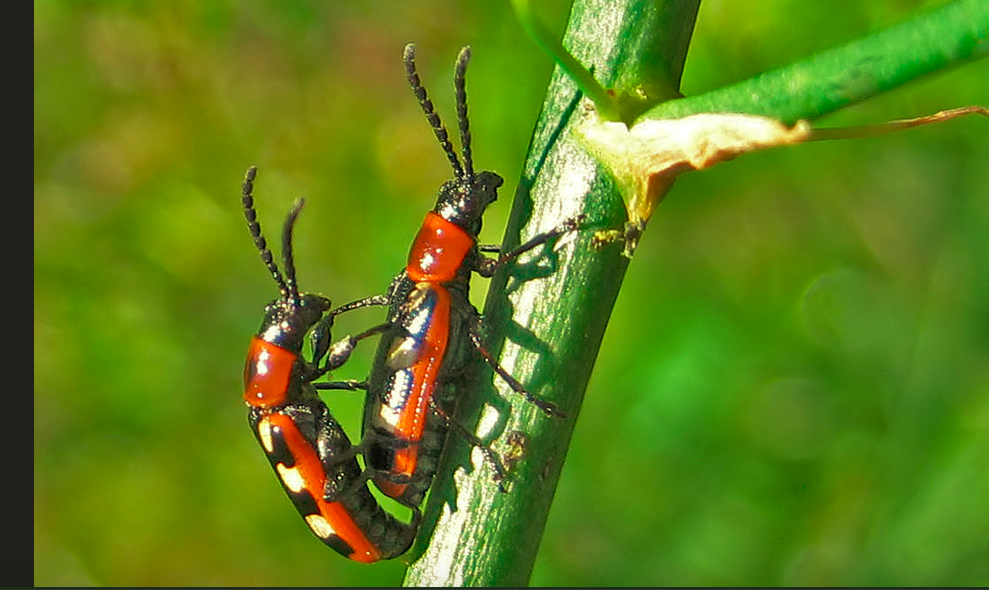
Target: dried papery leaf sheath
646, 158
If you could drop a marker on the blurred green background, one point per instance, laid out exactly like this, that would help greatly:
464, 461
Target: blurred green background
794, 388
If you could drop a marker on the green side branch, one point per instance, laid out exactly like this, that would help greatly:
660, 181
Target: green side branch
584, 79
546, 314
948, 36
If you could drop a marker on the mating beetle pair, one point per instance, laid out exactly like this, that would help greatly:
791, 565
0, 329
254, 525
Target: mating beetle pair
431, 334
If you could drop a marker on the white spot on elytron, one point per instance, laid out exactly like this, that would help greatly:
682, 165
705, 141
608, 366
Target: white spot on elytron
264, 432
403, 353
401, 383
389, 416
292, 478
320, 526
390, 412
417, 324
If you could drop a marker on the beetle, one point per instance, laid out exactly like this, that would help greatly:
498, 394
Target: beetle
434, 332
311, 454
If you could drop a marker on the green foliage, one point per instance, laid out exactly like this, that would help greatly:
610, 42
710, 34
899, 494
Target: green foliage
793, 388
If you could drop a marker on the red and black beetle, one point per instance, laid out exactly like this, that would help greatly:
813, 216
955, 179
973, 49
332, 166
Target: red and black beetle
433, 331
309, 451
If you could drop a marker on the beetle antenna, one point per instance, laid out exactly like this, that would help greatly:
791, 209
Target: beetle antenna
460, 86
254, 226
427, 107
288, 261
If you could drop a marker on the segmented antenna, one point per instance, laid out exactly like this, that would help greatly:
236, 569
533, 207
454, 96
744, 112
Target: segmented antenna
247, 198
460, 86
288, 261
427, 107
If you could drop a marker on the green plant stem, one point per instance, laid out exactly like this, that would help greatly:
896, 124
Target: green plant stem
825, 82
545, 330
